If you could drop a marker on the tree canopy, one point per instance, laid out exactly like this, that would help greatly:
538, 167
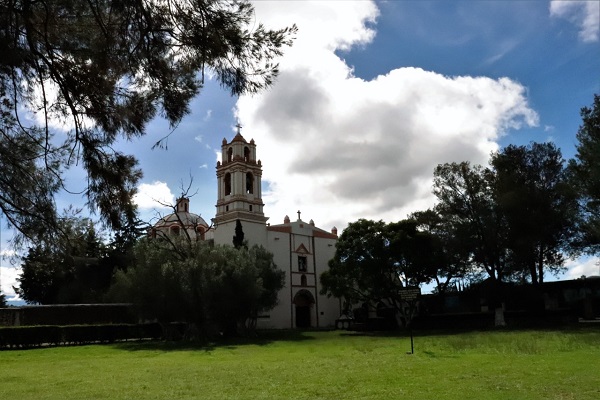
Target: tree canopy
538, 205
211, 288
468, 206
373, 261
75, 269
102, 69
515, 218
585, 169
452, 266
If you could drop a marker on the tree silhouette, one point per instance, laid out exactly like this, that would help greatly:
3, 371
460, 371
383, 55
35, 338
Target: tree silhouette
238, 238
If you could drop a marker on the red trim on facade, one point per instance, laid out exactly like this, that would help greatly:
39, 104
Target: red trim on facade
284, 229
323, 234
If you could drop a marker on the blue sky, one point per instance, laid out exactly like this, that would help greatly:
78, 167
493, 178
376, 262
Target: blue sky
372, 96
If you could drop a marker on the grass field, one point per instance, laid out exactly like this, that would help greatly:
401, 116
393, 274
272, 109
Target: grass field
547, 364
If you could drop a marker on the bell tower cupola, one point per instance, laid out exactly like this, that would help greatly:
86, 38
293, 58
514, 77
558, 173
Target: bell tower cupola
239, 183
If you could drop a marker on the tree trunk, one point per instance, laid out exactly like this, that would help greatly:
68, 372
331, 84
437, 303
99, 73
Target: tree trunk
533, 271
541, 265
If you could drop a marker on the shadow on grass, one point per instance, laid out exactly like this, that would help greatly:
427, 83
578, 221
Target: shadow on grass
261, 338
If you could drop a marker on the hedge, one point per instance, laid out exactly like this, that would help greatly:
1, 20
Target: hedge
53, 335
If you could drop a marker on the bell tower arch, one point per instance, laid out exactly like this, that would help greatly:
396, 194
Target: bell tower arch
239, 176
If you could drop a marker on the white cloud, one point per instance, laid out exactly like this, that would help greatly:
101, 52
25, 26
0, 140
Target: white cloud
150, 195
584, 14
8, 279
588, 266
341, 148
8, 253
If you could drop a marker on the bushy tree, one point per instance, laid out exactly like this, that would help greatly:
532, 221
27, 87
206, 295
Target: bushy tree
512, 220
238, 238
452, 266
211, 288
467, 204
374, 261
538, 205
71, 270
585, 171
103, 69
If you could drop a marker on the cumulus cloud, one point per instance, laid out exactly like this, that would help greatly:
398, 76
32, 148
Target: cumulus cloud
341, 148
584, 266
584, 14
8, 279
151, 195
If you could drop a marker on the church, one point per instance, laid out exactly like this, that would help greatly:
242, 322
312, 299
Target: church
299, 248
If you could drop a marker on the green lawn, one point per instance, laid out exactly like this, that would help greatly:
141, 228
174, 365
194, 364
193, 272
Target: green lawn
548, 364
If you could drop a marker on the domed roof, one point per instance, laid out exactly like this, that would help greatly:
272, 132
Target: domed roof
182, 216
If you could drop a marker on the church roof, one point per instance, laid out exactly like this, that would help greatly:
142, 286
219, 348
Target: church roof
186, 218
290, 227
238, 138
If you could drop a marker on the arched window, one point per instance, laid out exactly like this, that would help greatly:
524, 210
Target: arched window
302, 263
200, 232
246, 154
230, 154
227, 182
175, 230
303, 281
249, 183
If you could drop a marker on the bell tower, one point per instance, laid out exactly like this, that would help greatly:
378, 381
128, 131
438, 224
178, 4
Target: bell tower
239, 191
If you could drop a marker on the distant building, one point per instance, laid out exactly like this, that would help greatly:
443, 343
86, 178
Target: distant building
300, 249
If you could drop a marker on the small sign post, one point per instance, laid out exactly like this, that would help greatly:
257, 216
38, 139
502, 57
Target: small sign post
410, 294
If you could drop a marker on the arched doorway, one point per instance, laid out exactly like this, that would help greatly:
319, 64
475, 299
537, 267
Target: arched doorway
303, 302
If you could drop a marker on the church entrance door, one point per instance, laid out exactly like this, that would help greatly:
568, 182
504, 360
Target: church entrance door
302, 316
303, 302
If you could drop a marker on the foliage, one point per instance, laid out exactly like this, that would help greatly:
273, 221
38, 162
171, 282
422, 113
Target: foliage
238, 238
373, 261
451, 255
3, 302
585, 169
538, 205
40, 335
534, 364
74, 269
103, 69
212, 288
468, 206
513, 220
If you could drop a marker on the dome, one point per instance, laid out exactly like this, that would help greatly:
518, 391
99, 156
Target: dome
183, 217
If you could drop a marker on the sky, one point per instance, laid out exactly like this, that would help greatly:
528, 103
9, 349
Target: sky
371, 97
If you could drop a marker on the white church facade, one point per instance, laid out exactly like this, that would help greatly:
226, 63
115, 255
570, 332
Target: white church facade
300, 249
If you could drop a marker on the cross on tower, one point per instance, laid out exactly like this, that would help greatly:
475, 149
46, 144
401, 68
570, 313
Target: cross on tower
239, 127
298, 215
